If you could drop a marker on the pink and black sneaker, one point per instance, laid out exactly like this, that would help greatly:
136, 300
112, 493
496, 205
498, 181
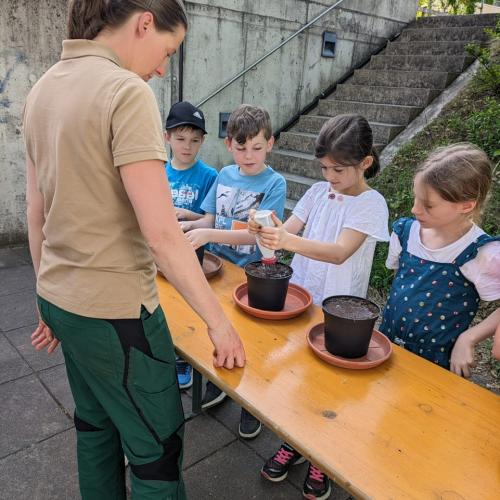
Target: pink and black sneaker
276, 468
317, 485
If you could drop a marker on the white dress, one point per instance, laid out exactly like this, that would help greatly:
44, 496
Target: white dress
325, 218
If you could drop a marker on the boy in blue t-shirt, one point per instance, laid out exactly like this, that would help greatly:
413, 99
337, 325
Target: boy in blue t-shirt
190, 179
248, 184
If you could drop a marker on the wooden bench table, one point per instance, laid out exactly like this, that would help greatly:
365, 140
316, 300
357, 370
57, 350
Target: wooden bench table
406, 429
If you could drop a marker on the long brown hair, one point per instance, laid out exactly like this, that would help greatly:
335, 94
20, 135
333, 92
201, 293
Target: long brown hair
88, 17
348, 139
460, 172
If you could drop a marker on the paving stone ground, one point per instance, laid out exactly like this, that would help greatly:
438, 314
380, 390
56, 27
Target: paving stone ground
37, 438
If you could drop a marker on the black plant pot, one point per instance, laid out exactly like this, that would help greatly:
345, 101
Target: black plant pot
349, 323
267, 285
200, 253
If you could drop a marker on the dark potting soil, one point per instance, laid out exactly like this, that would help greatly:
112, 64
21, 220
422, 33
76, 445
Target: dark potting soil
276, 270
351, 308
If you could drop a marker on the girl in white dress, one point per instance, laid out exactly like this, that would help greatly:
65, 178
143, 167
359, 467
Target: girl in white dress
342, 218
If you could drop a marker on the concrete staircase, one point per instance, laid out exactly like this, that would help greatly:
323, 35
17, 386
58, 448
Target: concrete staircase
391, 90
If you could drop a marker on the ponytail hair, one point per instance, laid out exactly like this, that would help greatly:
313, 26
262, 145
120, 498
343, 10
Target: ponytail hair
88, 17
348, 140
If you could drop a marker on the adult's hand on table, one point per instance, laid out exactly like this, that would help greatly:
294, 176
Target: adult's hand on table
229, 351
43, 338
462, 356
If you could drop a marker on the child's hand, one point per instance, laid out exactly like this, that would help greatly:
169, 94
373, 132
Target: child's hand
185, 225
462, 356
198, 237
182, 213
274, 238
253, 227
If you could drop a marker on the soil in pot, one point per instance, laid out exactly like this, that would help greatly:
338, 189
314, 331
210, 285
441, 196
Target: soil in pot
267, 285
349, 323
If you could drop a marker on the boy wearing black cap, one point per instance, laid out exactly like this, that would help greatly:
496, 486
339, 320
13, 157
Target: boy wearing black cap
190, 179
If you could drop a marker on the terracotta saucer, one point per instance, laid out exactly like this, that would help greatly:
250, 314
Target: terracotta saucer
211, 266
297, 300
379, 350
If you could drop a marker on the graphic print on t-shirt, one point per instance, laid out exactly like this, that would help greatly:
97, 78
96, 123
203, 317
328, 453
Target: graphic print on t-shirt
184, 195
235, 203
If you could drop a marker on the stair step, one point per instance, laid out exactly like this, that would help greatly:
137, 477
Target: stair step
385, 95
442, 63
303, 142
297, 185
456, 21
448, 34
385, 113
382, 132
426, 48
421, 79
296, 163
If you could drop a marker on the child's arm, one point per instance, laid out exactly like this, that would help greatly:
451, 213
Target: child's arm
184, 213
496, 343
278, 237
202, 236
293, 224
205, 221
462, 355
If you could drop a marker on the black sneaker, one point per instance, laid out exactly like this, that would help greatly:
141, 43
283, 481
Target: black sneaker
213, 396
276, 468
317, 485
249, 427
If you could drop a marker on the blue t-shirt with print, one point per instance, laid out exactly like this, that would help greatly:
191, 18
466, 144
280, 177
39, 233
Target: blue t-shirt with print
232, 196
189, 187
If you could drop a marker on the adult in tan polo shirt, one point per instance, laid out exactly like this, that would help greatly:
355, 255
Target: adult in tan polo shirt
99, 214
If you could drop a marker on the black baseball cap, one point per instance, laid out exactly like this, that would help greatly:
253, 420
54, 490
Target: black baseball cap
184, 113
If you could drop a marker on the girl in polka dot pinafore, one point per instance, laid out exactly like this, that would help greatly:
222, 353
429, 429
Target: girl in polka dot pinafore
444, 262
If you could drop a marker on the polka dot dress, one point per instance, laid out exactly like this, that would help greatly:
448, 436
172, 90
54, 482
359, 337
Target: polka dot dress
430, 303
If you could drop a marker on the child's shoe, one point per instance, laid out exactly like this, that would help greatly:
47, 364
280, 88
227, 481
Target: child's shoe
184, 374
317, 485
249, 426
276, 468
213, 396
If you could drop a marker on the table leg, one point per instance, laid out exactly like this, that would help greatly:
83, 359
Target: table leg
197, 386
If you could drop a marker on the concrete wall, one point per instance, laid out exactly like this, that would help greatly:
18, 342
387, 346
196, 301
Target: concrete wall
30, 41
224, 37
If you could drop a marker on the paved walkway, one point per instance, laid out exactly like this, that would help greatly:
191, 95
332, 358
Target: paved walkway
37, 439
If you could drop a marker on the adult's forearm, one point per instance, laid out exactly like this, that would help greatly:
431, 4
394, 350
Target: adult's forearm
188, 279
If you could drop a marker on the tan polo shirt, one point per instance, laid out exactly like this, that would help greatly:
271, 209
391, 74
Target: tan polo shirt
84, 118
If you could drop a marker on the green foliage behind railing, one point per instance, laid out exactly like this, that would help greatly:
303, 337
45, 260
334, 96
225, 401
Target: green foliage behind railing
452, 6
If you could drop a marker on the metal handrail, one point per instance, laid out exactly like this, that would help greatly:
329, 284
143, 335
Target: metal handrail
265, 56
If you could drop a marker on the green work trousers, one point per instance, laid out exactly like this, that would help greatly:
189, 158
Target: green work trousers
123, 379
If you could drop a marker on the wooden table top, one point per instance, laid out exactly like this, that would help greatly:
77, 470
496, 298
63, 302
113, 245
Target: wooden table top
405, 429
